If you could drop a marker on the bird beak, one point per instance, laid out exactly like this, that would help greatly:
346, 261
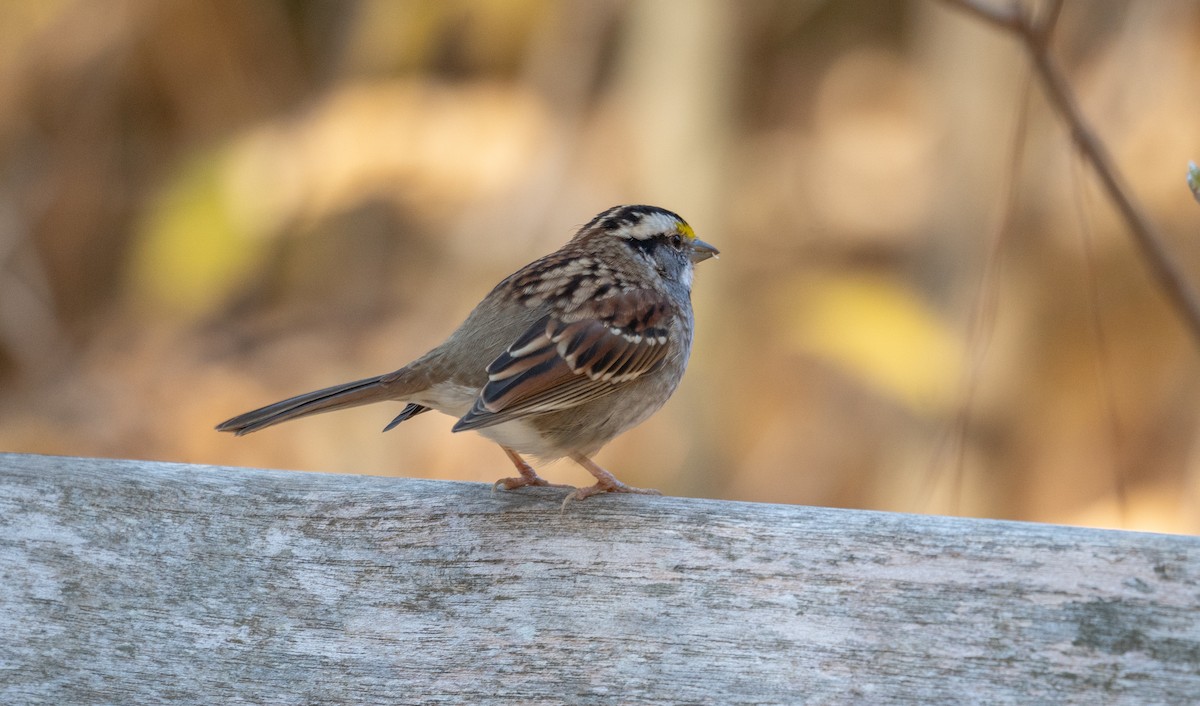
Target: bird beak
701, 250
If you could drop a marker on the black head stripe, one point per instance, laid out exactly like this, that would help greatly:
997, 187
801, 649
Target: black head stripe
623, 216
643, 247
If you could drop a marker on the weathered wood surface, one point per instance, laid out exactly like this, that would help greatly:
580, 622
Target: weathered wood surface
138, 583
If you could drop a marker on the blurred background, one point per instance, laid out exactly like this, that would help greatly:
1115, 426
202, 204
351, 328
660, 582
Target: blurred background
209, 206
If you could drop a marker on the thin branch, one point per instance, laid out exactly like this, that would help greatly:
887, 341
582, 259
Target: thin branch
1102, 362
1034, 37
1050, 21
1009, 20
984, 311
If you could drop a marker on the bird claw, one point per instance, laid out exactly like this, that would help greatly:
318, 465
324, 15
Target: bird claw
617, 486
524, 482
605, 481
528, 477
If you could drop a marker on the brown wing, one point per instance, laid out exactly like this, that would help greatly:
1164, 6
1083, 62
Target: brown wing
567, 359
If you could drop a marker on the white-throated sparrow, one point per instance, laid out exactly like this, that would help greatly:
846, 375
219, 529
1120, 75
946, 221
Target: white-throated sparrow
562, 356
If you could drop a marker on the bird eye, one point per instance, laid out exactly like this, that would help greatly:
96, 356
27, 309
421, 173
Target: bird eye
677, 241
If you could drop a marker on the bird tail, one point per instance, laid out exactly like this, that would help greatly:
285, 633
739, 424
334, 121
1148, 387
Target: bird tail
344, 396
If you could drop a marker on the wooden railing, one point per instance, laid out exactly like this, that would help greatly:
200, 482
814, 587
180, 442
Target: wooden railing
134, 582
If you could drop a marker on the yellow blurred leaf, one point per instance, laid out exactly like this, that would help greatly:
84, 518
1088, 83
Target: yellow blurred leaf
880, 332
191, 248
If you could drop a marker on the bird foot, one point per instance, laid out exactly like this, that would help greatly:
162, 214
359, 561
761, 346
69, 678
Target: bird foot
528, 477
605, 486
526, 481
605, 483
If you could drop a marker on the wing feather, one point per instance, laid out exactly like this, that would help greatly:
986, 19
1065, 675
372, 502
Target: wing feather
568, 358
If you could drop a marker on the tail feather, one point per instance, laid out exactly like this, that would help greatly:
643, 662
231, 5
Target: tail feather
350, 394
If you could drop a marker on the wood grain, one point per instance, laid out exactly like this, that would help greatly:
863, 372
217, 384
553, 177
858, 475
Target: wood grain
145, 582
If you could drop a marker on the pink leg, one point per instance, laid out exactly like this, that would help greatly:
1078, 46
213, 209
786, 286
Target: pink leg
605, 483
528, 475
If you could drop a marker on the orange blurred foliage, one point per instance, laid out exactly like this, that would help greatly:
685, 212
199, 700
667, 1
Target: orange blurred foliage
208, 206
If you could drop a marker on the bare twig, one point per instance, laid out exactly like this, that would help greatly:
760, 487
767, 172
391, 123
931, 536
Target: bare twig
1102, 363
1034, 36
984, 313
